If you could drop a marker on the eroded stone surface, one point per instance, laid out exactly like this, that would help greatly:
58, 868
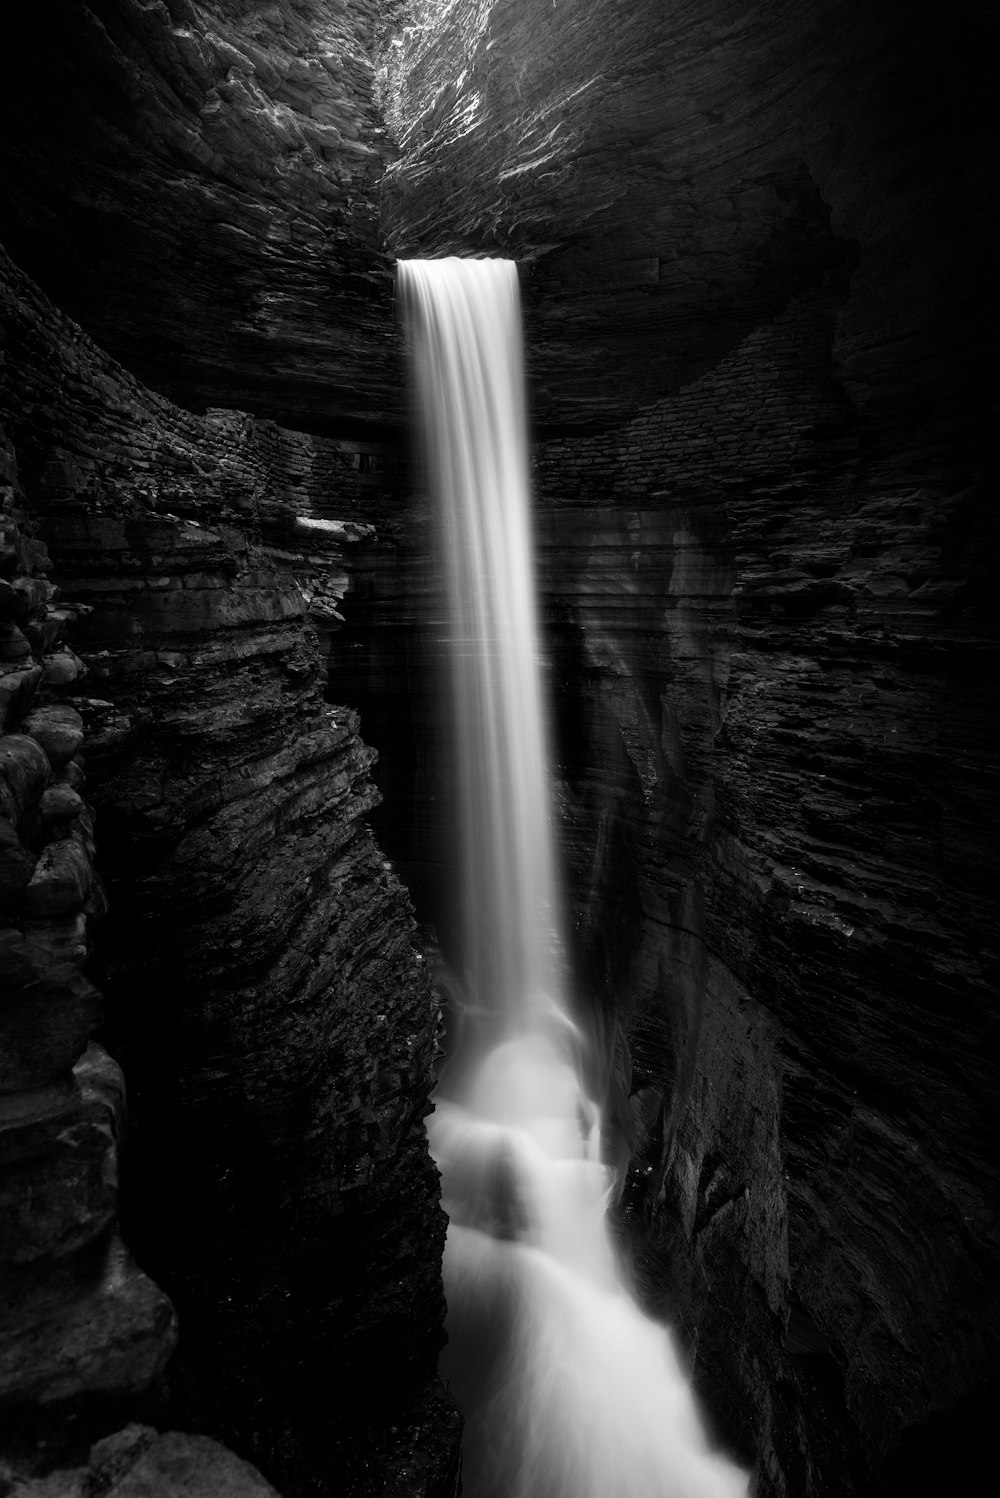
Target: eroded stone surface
99, 1327
266, 999
190, 1467
671, 174
750, 240
59, 1151
765, 568
81, 1321
138, 1462
194, 183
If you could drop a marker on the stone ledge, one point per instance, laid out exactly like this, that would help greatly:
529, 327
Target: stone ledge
110, 1333
137, 1462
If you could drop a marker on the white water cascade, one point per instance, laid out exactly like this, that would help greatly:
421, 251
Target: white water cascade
568, 1389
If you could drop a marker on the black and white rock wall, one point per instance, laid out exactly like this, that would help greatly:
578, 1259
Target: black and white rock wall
263, 992
755, 272
753, 241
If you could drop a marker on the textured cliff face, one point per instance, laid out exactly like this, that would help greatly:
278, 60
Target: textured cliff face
81, 1320
194, 183
273, 1017
749, 239
782, 734
86, 1332
673, 174
752, 270
136, 1462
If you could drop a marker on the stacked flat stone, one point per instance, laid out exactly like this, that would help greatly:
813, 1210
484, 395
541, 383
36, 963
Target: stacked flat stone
80, 1317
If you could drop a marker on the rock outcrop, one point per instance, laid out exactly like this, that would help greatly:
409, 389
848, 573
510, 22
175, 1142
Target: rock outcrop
81, 1320
137, 1462
272, 1014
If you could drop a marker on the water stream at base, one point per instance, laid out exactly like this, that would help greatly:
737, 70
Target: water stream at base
568, 1389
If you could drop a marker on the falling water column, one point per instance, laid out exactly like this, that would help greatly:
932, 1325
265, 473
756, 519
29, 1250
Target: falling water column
467, 330
569, 1391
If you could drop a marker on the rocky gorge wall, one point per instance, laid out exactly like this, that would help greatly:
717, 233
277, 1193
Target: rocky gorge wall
784, 667
753, 285
775, 728
273, 1017
755, 276
80, 1317
193, 186
194, 183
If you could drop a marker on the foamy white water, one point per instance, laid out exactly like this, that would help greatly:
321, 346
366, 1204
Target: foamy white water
569, 1390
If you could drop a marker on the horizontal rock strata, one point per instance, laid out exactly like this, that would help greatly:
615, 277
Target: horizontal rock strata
785, 725
755, 274
670, 175
766, 543
81, 1320
266, 1000
194, 183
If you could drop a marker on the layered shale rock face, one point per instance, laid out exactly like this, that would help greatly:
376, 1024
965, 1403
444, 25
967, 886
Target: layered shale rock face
785, 677
753, 280
86, 1332
675, 173
194, 183
273, 1017
80, 1319
767, 545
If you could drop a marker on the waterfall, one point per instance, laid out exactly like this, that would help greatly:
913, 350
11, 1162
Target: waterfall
568, 1389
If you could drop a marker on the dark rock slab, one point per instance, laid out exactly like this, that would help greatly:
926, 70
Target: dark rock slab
100, 1328
139, 1462
189, 1466
58, 1156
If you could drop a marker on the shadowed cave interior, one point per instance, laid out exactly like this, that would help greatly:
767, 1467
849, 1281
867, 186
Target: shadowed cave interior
752, 248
